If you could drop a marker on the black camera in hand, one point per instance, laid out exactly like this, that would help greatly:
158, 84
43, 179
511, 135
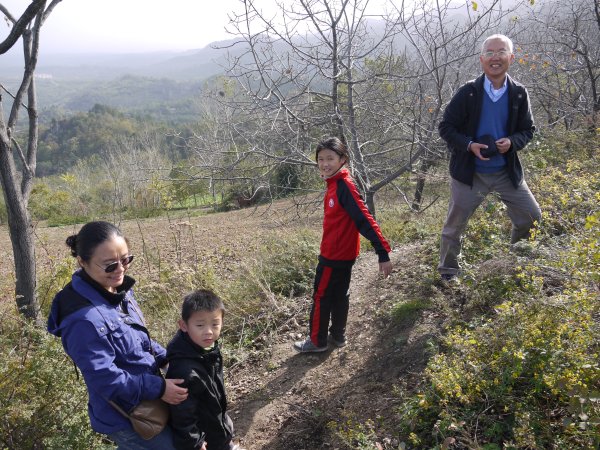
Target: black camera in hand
491, 150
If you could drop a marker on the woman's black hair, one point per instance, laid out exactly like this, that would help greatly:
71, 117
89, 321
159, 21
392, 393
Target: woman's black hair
91, 235
333, 144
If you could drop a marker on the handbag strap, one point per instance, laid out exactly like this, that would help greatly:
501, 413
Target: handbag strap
118, 408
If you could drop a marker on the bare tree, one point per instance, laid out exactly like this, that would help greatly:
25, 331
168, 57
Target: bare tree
300, 75
437, 52
378, 81
17, 188
561, 58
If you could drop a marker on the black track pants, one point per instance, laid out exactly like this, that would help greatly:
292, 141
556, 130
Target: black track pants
330, 300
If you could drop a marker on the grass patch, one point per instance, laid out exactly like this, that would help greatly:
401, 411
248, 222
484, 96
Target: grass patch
408, 310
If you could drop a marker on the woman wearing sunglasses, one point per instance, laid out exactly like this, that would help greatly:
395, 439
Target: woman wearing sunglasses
103, 331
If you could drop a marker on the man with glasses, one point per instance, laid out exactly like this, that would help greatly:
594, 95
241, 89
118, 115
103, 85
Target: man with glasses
485, 124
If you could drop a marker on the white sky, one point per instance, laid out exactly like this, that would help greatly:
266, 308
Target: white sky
121, 26
125, 26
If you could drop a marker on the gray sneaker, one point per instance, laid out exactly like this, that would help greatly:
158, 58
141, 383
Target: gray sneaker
339, 343
307, 346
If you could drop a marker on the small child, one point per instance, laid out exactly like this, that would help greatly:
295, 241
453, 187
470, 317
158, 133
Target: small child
346, 215
201, 421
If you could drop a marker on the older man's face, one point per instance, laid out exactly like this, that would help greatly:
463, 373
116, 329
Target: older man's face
495, 59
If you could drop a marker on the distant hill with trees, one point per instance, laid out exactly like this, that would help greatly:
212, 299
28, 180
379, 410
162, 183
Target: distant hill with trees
160, 85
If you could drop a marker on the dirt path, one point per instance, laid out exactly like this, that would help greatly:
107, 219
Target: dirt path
298, 401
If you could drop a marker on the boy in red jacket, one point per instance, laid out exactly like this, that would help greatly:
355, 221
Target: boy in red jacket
346, 215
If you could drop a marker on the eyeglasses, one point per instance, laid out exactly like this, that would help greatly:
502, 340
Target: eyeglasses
113, 266
491, 53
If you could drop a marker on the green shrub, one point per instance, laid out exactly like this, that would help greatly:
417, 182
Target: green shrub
288, 264
567, 195
42, 403
528, 377
523, 373
57, 206
487, 233
355, 435
401, 228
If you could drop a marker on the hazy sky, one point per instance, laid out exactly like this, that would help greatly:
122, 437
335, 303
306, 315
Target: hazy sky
125, 26
121, 26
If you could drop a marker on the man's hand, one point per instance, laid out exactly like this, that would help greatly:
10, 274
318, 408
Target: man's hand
503, 145
475, 148
386, 268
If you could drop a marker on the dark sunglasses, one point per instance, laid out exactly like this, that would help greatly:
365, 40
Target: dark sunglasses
113, 266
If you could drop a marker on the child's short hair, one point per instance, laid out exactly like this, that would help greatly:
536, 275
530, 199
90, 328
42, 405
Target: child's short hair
333, 144
201, 300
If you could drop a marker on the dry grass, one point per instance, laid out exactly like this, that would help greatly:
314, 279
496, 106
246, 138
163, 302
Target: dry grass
221, 241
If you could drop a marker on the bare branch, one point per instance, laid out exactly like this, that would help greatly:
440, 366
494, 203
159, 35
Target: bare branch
20, 25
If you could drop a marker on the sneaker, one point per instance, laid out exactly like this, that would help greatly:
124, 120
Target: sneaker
307, 346
339, 343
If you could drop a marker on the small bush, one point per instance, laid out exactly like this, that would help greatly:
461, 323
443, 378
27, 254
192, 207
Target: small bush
42, 403
527, 377
289, 264
355, 435
402, 228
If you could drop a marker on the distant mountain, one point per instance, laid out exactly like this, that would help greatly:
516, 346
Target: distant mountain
193, 65
162, 85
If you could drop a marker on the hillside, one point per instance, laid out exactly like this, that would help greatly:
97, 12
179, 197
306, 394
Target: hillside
498, 358
288, 400
280, 399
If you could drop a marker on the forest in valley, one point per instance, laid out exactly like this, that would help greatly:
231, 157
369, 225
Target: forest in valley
210, 169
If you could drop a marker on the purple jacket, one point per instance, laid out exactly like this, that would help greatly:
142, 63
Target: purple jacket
111, 349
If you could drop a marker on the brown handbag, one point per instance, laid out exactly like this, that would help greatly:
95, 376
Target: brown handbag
148, 418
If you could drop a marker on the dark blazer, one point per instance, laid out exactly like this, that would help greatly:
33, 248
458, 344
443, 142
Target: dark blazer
461, 119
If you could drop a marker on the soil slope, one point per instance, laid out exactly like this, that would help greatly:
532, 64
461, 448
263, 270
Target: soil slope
312, 401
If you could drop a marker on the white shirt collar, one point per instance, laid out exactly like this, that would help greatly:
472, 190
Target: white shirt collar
493, 93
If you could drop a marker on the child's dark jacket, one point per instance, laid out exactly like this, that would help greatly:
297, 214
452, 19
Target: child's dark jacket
202, 417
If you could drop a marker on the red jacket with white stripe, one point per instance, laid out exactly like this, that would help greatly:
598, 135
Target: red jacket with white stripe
346, 215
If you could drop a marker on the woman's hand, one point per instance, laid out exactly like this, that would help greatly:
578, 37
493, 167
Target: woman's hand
174, 394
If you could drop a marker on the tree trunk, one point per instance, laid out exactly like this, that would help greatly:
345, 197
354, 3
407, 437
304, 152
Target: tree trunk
21, 232
418, 198
370, 202
16, 190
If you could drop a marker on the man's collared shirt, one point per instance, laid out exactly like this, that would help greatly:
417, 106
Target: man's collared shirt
494, 94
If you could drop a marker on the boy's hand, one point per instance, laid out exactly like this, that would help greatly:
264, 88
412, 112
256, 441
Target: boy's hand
386, 268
